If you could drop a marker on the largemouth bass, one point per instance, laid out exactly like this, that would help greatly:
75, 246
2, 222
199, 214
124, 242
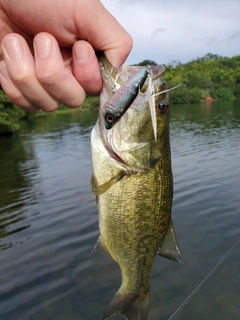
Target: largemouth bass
132, 180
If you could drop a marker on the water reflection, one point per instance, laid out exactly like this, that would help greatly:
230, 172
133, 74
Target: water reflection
19, 172
17, 164
48, 219
202, 118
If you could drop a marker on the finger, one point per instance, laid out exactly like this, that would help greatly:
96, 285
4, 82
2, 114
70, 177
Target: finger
85, 67
12, 91
20, 65
104, 33
53, 74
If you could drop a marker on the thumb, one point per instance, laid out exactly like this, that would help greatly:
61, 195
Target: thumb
98, 27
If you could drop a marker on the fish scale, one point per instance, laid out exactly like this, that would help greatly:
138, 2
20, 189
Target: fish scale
132, 180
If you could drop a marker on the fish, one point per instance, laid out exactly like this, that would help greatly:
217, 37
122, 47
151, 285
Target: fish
132, 180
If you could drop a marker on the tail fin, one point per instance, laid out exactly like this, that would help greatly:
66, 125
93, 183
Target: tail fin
131, 307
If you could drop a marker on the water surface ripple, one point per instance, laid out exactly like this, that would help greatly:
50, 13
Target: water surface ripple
48, 220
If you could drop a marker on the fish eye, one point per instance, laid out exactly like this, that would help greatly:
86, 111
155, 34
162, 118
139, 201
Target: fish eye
162, 106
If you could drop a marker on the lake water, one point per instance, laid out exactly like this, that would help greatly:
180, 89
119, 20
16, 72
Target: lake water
48, 221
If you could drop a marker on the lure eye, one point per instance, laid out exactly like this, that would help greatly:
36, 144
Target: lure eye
109, 118
162, 106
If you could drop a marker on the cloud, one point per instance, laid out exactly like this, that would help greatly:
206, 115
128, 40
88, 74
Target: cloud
178, 30
235, 36
157, 32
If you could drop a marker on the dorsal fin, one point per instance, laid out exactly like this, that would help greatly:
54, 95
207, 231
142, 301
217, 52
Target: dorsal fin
169, 248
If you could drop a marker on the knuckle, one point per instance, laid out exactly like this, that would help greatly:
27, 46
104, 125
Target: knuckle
22, 77
128, 42
47, 76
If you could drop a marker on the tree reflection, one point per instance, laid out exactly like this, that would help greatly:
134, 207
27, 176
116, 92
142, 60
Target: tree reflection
14, 186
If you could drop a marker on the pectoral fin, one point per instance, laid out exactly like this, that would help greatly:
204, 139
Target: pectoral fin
98, 190
169, 248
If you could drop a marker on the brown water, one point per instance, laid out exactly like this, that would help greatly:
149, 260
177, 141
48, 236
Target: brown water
48, 221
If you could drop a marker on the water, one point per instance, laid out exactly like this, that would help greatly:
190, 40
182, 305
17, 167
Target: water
48, 221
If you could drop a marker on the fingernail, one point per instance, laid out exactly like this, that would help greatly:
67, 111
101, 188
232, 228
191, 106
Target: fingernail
13, 48
43, 46
81, 53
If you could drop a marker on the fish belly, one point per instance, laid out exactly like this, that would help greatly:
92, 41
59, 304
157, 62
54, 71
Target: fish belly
134, 218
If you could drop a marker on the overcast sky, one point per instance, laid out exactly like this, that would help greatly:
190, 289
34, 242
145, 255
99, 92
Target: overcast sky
180, 30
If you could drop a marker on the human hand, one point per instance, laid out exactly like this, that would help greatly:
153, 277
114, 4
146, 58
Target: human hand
48, 50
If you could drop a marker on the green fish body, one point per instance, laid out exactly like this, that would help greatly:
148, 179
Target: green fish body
132, 180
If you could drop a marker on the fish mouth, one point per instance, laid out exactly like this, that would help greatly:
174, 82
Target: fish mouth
127, 161
115, 156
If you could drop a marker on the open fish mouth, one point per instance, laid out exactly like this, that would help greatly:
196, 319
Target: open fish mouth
127, 86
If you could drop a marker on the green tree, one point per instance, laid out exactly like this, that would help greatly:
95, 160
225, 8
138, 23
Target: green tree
205, 76
223, 94
199, 79
179, 95
146, 63
10, 114
195, 95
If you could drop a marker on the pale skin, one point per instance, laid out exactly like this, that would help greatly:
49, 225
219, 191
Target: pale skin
48, 50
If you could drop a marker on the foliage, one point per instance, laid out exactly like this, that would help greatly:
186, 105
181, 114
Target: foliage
186, 95
210, 75
146, 63
91, 102
10, 114
223, 94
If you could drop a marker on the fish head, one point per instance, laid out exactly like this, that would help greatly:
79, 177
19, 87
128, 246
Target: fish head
132, 140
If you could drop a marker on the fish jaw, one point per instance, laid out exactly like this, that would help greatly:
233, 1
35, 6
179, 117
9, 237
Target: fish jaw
137, 129
132, 138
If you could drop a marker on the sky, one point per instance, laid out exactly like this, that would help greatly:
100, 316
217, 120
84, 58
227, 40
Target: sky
178, 30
